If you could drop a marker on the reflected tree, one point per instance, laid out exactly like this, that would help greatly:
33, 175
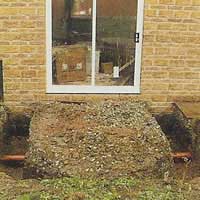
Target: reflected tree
68, 18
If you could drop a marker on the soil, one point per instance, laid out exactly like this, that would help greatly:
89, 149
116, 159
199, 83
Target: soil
179, 136
106, 121
104, 140
76, 188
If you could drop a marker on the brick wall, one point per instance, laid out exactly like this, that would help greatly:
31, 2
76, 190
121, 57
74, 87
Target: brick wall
171, 53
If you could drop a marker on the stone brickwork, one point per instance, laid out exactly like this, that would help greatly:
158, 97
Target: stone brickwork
171, 53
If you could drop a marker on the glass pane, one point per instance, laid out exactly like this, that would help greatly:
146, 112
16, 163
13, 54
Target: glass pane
116, 27
71, 36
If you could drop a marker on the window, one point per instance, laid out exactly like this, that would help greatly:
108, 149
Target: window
94, 46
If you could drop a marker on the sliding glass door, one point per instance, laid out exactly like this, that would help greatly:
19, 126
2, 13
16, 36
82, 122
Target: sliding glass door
93, 44
116, 28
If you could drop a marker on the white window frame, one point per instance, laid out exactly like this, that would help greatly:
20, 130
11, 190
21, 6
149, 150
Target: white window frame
93, 89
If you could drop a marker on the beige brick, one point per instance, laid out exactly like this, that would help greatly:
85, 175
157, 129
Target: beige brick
165, 26
166, 13
28, 74
183, 2
196, 2
159, 98
9, 49
170, 2
161, 62
182, 14
192, 75
148, 51
160, 75
176, 87
151, 13
195, 15
176, 75
162, 51
160, 86
151, 2
191, 87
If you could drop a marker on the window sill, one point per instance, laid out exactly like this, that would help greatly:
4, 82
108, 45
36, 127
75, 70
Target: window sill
63, 89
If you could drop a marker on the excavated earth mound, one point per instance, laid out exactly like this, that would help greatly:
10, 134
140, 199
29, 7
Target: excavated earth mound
105, 140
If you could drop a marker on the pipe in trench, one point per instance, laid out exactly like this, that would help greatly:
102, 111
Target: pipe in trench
12, 158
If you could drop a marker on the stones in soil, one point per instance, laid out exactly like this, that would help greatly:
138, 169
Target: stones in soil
102, 140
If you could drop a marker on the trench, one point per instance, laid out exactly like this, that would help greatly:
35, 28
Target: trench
178, 135
181, 140
14, 141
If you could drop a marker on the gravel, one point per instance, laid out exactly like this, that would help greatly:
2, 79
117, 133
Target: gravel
102, 140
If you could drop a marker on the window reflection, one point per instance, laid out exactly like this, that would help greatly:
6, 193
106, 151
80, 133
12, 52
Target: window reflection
116, 26
72, 26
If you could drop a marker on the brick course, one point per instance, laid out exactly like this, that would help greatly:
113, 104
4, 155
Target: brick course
170, 64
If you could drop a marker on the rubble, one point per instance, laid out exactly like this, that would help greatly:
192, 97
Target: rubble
102, 140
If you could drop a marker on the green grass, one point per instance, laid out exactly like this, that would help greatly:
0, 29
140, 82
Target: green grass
160, 194
117, 189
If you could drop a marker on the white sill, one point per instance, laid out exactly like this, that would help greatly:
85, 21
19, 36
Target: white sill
64, 89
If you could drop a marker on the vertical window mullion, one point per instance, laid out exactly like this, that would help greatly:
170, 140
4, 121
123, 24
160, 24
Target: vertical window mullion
94, 21
138, 46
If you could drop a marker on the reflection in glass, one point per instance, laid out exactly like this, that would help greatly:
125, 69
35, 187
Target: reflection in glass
71, 36
116, 27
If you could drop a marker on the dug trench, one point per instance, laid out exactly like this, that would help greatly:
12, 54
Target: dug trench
16, 134
14, 144
181, 138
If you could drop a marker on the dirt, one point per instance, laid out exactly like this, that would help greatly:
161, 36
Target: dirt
69, 133
177, 133
3, 120
10, 188
14, 131
192, 125
104, 140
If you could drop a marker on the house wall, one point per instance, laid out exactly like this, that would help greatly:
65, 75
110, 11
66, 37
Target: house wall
171, 53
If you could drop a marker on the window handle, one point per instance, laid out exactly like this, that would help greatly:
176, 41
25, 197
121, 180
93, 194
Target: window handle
137, 37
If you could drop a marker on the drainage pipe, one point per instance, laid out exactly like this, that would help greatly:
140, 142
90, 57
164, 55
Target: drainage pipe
13, 158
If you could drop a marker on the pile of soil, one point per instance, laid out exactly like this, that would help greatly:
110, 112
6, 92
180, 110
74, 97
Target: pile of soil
106, 140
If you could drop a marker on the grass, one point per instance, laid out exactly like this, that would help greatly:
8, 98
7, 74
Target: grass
117, 189
161, 194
